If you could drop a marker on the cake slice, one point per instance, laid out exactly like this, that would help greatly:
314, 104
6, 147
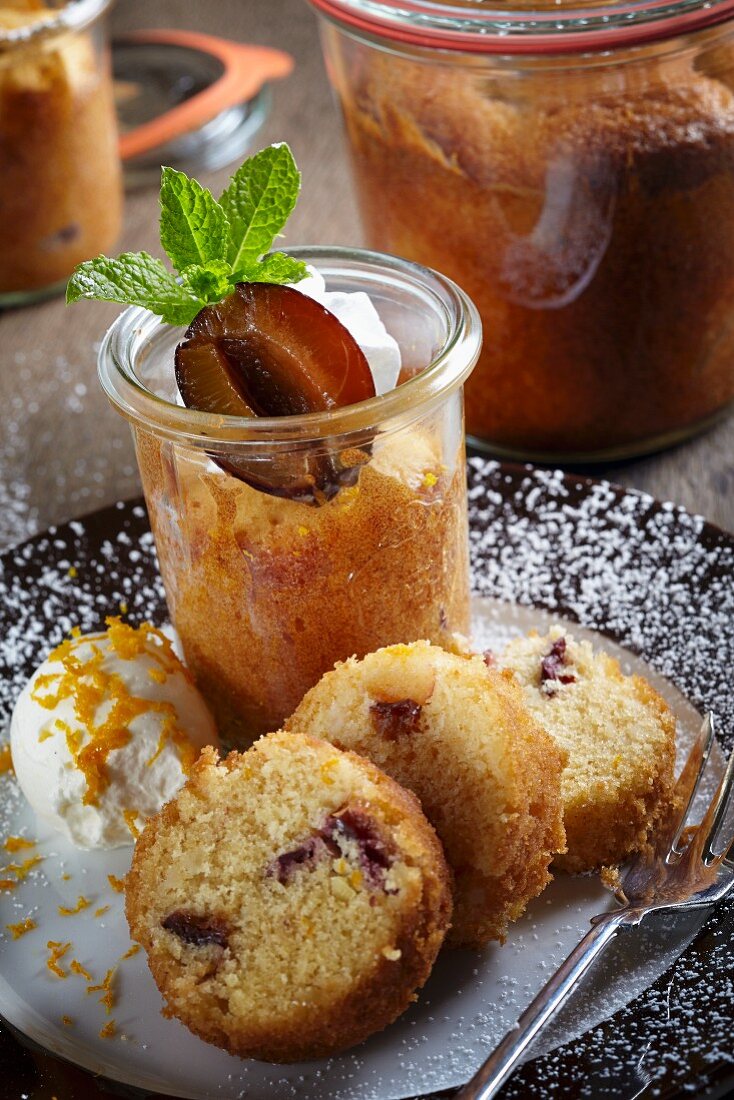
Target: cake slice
459, 735
290, 899
619, 736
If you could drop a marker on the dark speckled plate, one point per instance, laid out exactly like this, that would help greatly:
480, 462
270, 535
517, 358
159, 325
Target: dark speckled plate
649, 576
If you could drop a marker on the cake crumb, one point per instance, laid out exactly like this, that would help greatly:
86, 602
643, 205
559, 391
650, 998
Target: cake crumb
117, 884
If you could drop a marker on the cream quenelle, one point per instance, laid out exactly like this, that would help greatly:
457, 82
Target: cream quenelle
105, 731
358, 314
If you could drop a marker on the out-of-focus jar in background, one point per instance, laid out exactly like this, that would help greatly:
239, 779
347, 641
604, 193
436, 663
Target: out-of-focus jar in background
573, 170
60, 178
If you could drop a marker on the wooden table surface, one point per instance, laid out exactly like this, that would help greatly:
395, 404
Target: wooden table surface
63, 451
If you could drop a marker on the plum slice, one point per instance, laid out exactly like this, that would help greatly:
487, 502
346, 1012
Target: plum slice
268, 350
196, 930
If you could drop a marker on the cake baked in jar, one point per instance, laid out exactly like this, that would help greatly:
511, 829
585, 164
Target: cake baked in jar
573, 170
268, 585
60, 175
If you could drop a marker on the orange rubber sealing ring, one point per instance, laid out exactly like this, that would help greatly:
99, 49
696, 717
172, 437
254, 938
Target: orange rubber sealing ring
246, 69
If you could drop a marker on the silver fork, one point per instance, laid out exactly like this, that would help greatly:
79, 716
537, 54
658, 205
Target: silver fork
680, 869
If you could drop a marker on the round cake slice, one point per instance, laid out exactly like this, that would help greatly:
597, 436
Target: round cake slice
459, 735
620, 739
291, 899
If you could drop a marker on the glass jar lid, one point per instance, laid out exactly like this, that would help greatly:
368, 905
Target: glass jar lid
526, 26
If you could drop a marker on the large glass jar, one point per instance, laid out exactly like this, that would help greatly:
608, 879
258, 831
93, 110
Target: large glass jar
60, 178
572, 168
267, 590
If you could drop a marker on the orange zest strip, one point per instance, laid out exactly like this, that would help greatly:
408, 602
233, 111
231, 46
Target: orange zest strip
77, 968
7, 884
21, 927
67, 1021
109, 1030
15, 843
20, 870
82, 903
117, 884
58, 950
6, 760
101, 911
130, 820
105, 988
131, 951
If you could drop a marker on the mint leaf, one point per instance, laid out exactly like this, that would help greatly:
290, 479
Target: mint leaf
194, 227
210, 282
276, 267
257, 203
134, 279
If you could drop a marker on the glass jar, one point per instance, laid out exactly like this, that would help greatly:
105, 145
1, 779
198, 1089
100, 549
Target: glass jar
267, 592
60, 177
572, 168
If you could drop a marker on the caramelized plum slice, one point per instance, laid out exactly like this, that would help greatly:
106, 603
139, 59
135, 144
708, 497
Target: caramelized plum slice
268, 350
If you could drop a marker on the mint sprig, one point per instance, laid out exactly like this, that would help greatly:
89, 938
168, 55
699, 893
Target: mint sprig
211, 244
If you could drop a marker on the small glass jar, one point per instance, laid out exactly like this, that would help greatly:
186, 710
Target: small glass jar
60, 176
266, 592
572, 167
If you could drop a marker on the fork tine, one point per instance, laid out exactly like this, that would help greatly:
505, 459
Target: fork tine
686, 788
717, 812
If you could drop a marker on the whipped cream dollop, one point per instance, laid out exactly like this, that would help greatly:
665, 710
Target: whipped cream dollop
359, 316
105, 731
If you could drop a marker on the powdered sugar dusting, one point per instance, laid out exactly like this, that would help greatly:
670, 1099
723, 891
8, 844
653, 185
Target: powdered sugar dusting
651, 577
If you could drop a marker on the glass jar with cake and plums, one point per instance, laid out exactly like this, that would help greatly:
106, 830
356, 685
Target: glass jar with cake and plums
289, 542
60, 175
572, 167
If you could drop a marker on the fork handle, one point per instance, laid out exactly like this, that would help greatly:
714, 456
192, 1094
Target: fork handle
488, 1080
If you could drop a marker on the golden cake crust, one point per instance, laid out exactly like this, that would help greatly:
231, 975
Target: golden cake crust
487, 775
304, 969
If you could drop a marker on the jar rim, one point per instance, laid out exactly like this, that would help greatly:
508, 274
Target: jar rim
75, 15
128, 336
478, 27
